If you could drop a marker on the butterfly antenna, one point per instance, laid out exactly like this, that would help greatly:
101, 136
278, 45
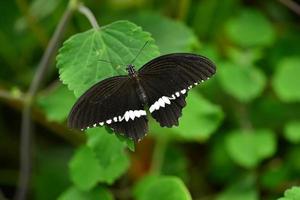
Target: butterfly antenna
139, 52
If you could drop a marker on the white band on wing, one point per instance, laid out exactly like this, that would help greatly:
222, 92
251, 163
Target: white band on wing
130, 114
162, 101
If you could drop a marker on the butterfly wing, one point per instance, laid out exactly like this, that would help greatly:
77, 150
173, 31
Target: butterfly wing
112, 102
167, 79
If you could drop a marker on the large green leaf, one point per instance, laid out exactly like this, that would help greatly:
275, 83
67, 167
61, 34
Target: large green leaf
99, 193
167, 188
118, 43
57, 103
243, 82
181, 39
286, 79
249, 147
87, 170
291, 194
200, 118
107, 147
250, 28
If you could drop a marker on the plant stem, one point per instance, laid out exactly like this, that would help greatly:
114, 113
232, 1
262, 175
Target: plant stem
89, 15
291, 5
45, 63
183, 9
158, 155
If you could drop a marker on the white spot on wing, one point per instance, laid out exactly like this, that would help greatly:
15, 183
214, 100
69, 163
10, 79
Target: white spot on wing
108, 121
183, 91
166, 100
126, 116
115, 119
101, 123
161, 102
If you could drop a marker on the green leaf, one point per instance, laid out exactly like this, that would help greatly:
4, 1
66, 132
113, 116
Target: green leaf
291, 194
200, 118
108, 149
182, 38
249, 147
57, 103
210, 15
292, 131
99, 193
43, 8
250, 28
244, 83
129, 142
167, 188
286, 79
87, 170
119, 43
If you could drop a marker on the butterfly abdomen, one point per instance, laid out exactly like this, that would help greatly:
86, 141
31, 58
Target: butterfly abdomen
141, 93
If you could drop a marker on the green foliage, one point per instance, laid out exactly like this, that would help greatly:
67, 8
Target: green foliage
103, 160
182, 38
244, 83
241, 190
198, 122
73, 193
292, 131
238, 137
168, 188
57, 103
291, 194
249, 147
79, 59
250, 28
286, 79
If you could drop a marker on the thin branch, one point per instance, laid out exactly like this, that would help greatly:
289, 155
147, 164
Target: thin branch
25, 155
88, 13
9, 96
158, 156
291, 5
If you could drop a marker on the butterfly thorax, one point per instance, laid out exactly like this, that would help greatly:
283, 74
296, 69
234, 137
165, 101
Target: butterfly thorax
131, 71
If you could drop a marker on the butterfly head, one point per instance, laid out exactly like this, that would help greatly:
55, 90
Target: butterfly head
130, 69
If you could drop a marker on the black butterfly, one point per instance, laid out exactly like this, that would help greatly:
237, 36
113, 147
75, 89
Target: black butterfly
161, 86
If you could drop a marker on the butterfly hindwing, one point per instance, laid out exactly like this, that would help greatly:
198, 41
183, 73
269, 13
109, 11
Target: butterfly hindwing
112, 102
166, 81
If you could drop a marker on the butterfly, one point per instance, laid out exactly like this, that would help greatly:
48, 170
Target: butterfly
159, 87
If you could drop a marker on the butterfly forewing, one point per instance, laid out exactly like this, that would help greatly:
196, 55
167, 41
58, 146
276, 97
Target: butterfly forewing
112, 102
166, 81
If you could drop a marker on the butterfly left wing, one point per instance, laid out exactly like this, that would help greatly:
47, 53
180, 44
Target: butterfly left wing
112, 102
167, 79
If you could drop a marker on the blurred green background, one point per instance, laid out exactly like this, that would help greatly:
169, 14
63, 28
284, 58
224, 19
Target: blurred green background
238, 137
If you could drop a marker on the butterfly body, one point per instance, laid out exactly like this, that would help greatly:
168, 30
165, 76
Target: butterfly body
161, 85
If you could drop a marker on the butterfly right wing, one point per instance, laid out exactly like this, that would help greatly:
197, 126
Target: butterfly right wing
167, 80
112, 102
